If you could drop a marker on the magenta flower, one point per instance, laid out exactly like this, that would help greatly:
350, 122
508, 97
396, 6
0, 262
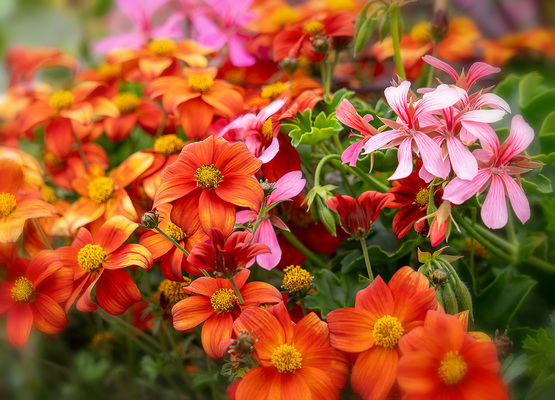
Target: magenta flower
286, 187
140, 12
347, 114
232, 15
407, 133
258, 132
497, 164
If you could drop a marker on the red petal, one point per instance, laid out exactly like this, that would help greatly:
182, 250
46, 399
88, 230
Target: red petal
351, 329
48, 316
114, 233
374, 372
20, 321
116, 292
191, 312
43, 264
216, 329
215, 212
130, 255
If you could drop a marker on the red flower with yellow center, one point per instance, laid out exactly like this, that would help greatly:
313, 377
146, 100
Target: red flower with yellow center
217, 305
440, 360
99, 261
382, 315
207, 181
296, 362
33, 294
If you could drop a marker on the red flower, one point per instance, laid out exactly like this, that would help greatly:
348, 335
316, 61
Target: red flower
32, 293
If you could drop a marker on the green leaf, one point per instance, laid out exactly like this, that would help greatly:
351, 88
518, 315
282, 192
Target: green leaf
305, 131
529, 87
536, 183
333, 292
378, 256
330, 106
384, 27
362, 36
528, 246
496, 306
326, 215
538, 108
541, 361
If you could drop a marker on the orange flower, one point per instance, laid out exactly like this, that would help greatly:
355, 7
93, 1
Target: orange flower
197, 99
382, 315
217, 305
296, 362
207, 181
32, 293
99, 261
441, 361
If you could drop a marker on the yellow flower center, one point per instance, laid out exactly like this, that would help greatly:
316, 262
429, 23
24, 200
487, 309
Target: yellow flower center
337, 5
101, 189
109, 71
268, 129
8, 204
168, 144
23, 290
201, 83
453, 368
91, 257
296, 278
420, 33
387, 331
162, 47
223, 300
126, 102
208, 176
172, 291
287, 359
62, 100
284, 16
313, 28
48, 194
422, 197
273, 90
175, 232
51, 160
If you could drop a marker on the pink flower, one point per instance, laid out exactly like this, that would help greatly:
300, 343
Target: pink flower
407, 133
140, 12
286, 187
497, 164
347, 114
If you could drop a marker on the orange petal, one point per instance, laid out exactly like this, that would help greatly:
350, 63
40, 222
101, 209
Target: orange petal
309, 333
195, 117
236, 158
241, 190
131, 168
216, 329
32, 208
58, 286
11, 166
374, 372
84, 211
376, 299
130, 255
266, 383
10, 229
351, 329
58, 137
48, 316
120, 204
116, 292
185, 212
484, 386
6, 300
157, 244
82, 113
216, 213
20, 321
225, 99
191, 312
43, 264
114, 233
417, 374
260, 293
84, 302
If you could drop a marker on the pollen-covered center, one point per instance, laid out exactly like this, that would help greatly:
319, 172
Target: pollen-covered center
101, 189
168, 144
273, 90
8, 204
162, 47
286, 358
175, 232
23, 290
223, 300
200, 83
62, 100
313, 28
48, 194
172, 291
91, 257
208, 176
284, 16
387, 331
109, 71
422, 197
296, 278
453, 368
268, 129
126, 102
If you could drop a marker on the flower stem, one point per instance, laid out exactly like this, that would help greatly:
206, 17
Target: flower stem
42, 234
366, 259
160, 231
237, 292
395, 15
301, 247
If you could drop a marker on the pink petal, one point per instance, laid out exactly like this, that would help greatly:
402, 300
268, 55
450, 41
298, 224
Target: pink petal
435, 62
479, 70
237, 54
265, 234
397, 99
243, 216
269, 152
443, 97
494, 210
129, 41
380, 140
484, 116
458, 190
404, 155
431, 155
287, 187
519, 139
493, 101
350, 154
270, 110
463, 162
486, 134
347, 114
519, 202
209, 33
169, 29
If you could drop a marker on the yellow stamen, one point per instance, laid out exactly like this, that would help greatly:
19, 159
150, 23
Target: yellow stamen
91, 257
387, 331
126, 102
223, 300
48, 194
313, 28
62, 100
168, 144
172, 292
208, 176
273, 90
453, 368
51, 160
420, 33
175, 232
338, 5
200, 83
422, 197
284, 16
23, 290
8, 204
268, 129
287, 359
101, 189
162, 47
109, 71
296, 278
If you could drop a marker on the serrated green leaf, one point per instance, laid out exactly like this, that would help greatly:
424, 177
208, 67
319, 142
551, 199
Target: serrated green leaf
330, 106
306, 131
534, 182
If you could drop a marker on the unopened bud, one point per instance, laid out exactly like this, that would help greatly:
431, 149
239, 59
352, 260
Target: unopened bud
289, 64
320, 44
267, 187
449, 300
243, 345
440, 23
439, 277
150, 219
503, 344
464, 299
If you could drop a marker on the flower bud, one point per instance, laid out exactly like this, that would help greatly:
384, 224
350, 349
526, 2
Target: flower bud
243, 345
439, 277
150, 219
289, 64
464, 300
320, 44
440, 23
503, 344
447, 298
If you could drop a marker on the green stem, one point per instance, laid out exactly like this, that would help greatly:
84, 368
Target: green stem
368, 179
472, 265
321, 165
511, 231
492, 237
301, 247
338, 143
81, 152
161, 232
431, 69
395, 37
237, 292
367, 259
323, 72
539, 263
42, 234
